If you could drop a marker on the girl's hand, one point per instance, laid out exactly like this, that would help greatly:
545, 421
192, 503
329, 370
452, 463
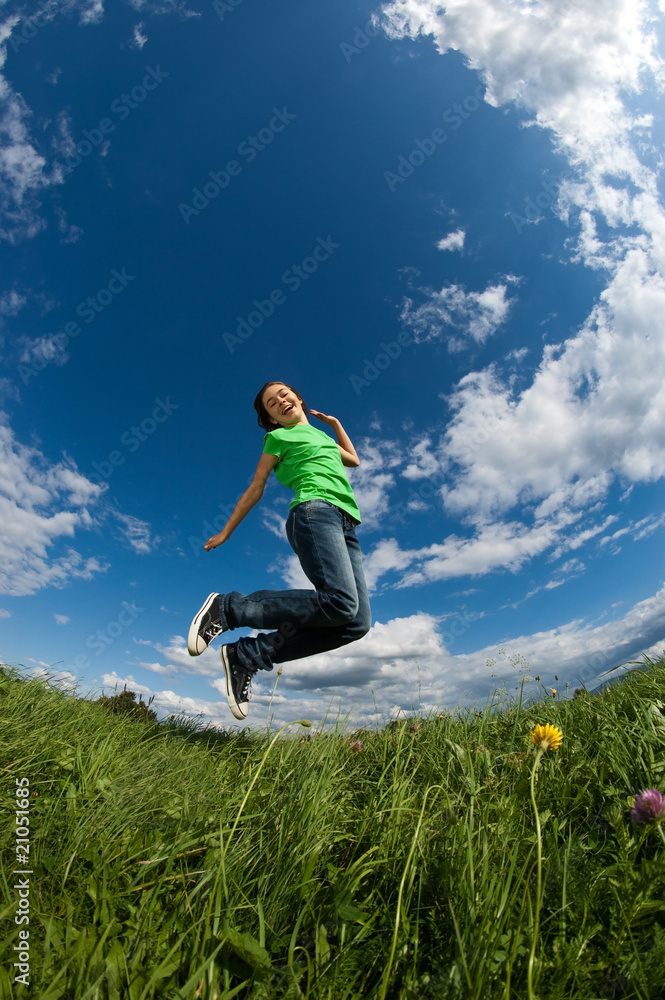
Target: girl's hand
326, 418
213, 542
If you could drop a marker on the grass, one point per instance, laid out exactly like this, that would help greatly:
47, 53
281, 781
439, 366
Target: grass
170, 861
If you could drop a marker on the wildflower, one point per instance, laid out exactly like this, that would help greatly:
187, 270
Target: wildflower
648, 807
553, 690
544, 738
357, 746
547, 737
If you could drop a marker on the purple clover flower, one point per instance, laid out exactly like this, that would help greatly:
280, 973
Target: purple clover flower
648, 807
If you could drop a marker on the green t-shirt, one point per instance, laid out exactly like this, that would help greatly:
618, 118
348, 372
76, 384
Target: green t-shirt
310, 463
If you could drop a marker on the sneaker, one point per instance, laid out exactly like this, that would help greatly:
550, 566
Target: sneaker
205, 627
238, 682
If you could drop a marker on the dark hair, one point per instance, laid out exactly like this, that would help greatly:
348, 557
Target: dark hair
264, 417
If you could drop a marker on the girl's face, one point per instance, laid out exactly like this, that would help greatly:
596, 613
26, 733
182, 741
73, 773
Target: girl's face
284, 406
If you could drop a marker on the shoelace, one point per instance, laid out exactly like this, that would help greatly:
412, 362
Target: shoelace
245, 686
211, 631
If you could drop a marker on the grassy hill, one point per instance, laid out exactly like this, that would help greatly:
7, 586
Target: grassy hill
170, 861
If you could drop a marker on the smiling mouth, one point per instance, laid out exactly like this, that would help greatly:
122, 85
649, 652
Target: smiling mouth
287, 410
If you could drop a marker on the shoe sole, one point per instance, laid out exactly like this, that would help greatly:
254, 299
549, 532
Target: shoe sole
239, 711
194, 640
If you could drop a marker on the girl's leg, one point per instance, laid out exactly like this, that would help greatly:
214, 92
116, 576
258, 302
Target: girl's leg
329, 558
308, 641
315, 530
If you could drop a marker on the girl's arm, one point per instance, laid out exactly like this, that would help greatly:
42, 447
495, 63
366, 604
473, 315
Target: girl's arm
251, 496
347, 451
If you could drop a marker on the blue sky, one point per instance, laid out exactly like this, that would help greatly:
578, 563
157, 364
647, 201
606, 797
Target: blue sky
444, 227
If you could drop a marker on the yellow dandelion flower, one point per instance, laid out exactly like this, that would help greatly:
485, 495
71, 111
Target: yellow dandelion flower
547, 737
553, 690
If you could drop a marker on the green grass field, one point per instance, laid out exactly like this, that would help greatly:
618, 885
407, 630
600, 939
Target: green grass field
171, 861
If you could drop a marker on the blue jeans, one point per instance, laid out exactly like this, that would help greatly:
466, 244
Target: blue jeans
305, 621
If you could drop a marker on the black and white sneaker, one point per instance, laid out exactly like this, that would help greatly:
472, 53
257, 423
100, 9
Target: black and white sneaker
205, 627
238, 682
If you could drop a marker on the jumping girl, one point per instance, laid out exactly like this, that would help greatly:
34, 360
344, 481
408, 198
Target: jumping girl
321, 531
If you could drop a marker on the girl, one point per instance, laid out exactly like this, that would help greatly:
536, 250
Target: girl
321, 531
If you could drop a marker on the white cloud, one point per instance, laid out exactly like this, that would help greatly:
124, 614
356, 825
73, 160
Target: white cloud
4, 613
635, 530
43, 350
136, 533
423, 462
582, 537
6, 29
373, 478
61, 619
159, 668
21, 169
572, 566
91, 11
291, 572
476, 315
494, 546
8, 391
11, 303
139, 38
40, 502
164, 7
595, 410
275, 521
63, 141
417, 503
453, 241
70, 233
385, 557
517, 354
